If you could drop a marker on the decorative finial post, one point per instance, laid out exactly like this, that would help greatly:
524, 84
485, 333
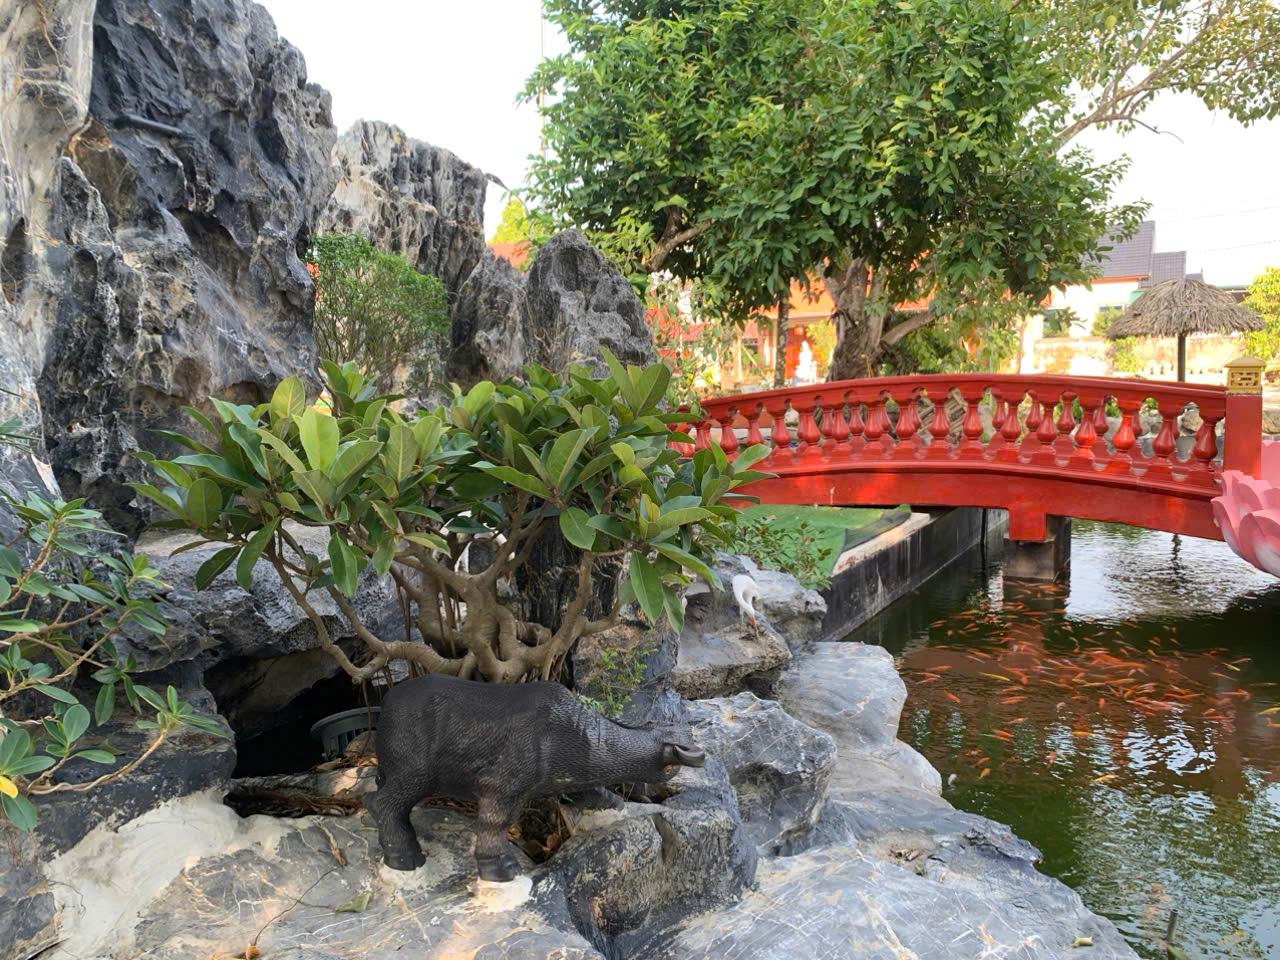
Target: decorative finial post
1242, 448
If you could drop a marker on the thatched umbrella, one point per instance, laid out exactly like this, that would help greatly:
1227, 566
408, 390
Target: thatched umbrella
1176, 308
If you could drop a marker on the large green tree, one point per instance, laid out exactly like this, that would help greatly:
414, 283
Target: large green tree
1104, 63
1264, 300
897, 148
745, 142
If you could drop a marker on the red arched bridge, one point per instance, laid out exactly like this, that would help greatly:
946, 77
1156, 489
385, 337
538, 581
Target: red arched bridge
1049, 447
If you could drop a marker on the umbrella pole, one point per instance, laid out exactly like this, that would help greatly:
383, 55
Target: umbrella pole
1182, 357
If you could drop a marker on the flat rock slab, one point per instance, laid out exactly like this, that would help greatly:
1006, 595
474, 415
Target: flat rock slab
839, 902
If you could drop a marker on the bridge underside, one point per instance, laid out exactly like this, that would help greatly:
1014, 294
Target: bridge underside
1029, 493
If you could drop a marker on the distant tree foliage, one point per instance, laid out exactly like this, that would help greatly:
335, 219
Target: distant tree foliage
1116, 58
1264, 300
514, 226
375, 310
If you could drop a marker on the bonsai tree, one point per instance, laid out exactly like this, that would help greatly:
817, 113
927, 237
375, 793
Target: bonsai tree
451, 502
64, 601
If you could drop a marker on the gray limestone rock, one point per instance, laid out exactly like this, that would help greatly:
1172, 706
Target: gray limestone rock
951, 900
576, 302
155, 217
779, 768
410, 198
720, 662
853, 692
571, 303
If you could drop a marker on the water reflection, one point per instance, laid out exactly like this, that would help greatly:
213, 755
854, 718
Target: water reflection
1127, 723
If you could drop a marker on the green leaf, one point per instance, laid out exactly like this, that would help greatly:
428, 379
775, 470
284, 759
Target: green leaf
681, 516
401, 452
105, 704
75, 722
29, 765
282, 448
688, 561
251, 552
289, 399
647, 586
214, 565
674, 608
317, 486
384, 555
20, 625
429, 540
516, 478
343, 565
204, 502
574, 526
319, 435
97, 756
352, 458
56, 693
564, 455
19, 811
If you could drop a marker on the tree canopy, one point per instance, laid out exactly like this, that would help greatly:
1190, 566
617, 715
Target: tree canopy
514, 225
899, 147
747, 143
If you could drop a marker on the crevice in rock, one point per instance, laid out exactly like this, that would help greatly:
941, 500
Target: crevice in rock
286, 744
15, 261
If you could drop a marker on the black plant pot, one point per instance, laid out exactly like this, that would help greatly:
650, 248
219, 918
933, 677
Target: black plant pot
337, 730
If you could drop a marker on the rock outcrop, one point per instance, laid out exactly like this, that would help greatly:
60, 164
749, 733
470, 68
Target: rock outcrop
410, 198
157, 200
778, 766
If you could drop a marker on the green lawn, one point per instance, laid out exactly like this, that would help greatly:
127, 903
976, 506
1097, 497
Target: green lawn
829, 526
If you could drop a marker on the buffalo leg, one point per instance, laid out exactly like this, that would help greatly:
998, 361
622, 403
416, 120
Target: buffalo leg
494, 859
390, 807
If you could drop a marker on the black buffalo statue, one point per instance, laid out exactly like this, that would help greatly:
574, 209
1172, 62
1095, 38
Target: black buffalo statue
502, 745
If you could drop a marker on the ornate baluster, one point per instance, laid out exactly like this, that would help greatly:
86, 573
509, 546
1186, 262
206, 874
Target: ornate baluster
702, 439
1206, 449
780, 435
728, 436
939, 430
1122, 460
971, 429
1165, 444
1086, 434
876, 428
1005, 443
807, 430
910, 443
754, 436
835, 428
1046, 434
1062, 444
857, 427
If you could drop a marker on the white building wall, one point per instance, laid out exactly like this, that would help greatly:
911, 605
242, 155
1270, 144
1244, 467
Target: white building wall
1086, 301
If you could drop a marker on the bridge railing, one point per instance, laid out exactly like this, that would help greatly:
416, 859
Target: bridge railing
1060, 423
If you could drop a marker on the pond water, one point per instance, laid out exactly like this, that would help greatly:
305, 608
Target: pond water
1126, 722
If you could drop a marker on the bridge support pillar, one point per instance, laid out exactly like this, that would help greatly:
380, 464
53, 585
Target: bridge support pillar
1045, 559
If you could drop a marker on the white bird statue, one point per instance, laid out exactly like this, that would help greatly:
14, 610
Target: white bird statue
746, 592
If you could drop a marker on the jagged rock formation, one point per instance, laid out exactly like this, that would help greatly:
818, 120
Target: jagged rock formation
421, 201
410, 198
157, 200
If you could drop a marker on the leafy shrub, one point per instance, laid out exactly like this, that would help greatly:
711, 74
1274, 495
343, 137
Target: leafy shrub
375, 310
497, 468
790, 548
615, 678
60, 611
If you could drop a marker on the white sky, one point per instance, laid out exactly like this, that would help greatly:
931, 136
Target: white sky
449, 73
